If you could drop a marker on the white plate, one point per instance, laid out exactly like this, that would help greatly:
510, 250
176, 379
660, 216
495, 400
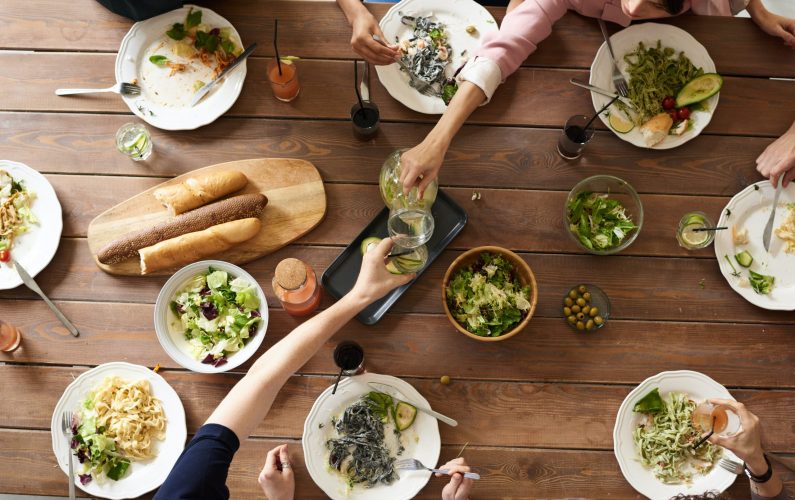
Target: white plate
626, 41
149, 107
143, 475
36, 248
173, 339
700, 388
456, 15
750, 208
421, 441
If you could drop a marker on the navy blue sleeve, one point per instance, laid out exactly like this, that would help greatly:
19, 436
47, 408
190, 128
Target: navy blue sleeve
201, 470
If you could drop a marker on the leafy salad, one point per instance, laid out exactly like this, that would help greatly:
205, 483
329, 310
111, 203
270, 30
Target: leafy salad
94, 449
16, 217
218, 314
487, 297
598, 221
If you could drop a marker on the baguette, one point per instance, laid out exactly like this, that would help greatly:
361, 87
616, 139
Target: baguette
237, 207
656, 129
200, 189
196, 246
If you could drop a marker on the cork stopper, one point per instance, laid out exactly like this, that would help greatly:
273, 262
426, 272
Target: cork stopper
290, 273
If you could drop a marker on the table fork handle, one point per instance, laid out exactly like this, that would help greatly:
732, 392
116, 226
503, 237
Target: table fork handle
468, 475
71, 473
82, 91
606, 36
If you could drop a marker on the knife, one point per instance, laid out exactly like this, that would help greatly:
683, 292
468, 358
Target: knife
28, 281
364, 87
397, 395
769, 227
601, 91
208, 86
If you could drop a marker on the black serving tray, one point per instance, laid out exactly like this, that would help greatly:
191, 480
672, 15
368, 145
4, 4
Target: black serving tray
340, 276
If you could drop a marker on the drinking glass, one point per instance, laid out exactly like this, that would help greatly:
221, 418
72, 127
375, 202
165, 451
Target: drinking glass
9, 337
409, 260
727, 423
284, 83
365, 119
410, 227
690, 239
349, 357
133, 140
574, 137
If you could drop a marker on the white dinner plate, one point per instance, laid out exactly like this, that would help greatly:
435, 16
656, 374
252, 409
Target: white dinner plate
143, 475
421, 441
171, 111
36, 248
456, 15
750, 209
699, 387
626, 41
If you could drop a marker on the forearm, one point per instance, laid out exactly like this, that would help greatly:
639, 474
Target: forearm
251, 398
769, 489
351, 9
466, 100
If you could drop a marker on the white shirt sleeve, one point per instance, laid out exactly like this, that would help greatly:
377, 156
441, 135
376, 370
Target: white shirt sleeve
484, 73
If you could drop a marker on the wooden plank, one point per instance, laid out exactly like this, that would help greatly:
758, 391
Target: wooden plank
319, 29
548, 350
547, 97
536, 218
515, 157
73, 276
506, 472
30, 394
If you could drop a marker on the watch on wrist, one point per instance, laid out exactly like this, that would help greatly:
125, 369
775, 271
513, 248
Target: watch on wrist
762, 478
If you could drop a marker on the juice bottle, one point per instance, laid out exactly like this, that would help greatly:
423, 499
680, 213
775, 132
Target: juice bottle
9, 337
284, 84
295, 285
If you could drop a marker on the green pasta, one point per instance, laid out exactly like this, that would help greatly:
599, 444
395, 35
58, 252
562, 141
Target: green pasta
665, 442
654, 73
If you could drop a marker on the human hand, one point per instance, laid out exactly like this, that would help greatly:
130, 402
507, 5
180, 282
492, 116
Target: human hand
420, 165
775, 25
779, 158
459, 487
276, 478
746, 444
374, 279
364, 27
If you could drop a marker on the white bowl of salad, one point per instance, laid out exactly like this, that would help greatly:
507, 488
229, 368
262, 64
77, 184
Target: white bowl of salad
211, 316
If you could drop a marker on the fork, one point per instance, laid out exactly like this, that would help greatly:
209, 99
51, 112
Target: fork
618, 79
731, 466
66, 426
419, 85
414, 464
122, 88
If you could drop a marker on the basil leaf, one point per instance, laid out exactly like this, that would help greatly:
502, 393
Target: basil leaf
193, 18
206, 41
177, 31
158, 60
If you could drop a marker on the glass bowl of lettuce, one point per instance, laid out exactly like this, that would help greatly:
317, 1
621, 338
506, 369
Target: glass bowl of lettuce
211, 316
489, 293
603, 214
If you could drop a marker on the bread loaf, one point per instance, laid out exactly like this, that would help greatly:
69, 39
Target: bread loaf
237, 207
656, 129
196, 246
199, 190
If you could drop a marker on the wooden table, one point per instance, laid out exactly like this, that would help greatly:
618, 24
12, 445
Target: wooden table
537, 411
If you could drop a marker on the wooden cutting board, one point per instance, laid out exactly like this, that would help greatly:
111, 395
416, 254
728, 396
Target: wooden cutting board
296, 205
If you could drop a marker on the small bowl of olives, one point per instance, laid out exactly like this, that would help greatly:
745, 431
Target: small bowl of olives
586, 308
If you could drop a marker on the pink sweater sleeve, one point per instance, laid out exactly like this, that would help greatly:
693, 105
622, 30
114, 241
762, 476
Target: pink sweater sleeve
521, 32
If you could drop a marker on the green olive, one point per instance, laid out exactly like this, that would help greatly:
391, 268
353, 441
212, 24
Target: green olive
445, 379
586, 309
594, 311
589, 324
572, 319
580, 325
580, 316
575, 308
567, 311
587, 295
581, 302
573, 293
582, 289
598, 320
568, 302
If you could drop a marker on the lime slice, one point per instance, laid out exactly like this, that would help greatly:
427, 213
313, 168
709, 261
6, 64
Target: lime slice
137, 144
390, 266
695, 219
372, 240
694, 238
619, 123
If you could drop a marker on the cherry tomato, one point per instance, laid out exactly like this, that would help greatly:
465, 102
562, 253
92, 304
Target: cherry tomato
669, 103
5, 255
683, 113
673, 115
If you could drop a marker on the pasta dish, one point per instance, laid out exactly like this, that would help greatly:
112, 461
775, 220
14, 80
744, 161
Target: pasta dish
786, 231
16, 217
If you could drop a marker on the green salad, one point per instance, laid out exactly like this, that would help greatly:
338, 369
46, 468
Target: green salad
94, 449
598, 221
217, 314
487, 298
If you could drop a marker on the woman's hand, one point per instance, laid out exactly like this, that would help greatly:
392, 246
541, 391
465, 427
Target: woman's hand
420, 165
459, 487
364, 27
779, 159
746, 444
374, 279
276, 478
772, 24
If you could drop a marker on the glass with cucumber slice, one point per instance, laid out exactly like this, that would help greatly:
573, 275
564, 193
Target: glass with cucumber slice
133, 140
689, 234
401, 260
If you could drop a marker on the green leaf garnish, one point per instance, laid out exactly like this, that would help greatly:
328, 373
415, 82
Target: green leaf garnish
177, 31
194, 18
158, 60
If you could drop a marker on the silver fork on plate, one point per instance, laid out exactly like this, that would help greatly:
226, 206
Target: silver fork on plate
122, 88
618, 79
66, 427
421, 86
731, 466
414, 464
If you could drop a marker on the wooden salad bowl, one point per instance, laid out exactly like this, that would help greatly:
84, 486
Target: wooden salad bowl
521, 268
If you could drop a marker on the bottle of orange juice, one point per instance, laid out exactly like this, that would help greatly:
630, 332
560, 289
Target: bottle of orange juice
295, 285
284, 79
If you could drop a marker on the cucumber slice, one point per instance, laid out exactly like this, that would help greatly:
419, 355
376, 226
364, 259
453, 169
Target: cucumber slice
744, 258
619, 123
390, 266
404, 415
372, 240
698, 89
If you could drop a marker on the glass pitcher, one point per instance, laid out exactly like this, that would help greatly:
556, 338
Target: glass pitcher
392, 189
